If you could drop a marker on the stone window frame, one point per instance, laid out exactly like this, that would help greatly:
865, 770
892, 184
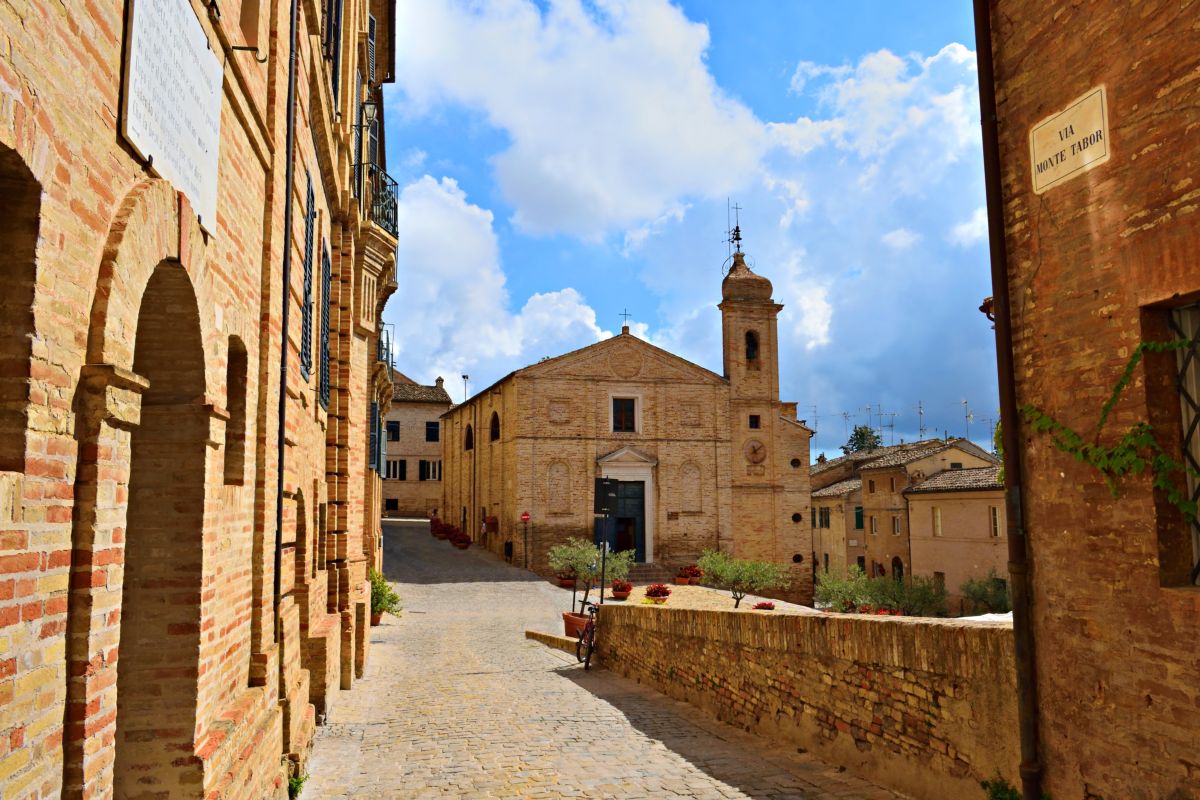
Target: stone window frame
392, 425
755, 422
623, 394
935, 513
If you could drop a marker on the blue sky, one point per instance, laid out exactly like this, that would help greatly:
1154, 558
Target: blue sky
560, 161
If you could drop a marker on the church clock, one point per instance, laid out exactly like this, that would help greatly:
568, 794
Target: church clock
755, 451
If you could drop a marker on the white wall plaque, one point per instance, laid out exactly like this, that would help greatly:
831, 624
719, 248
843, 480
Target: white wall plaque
1070, 142
171, 111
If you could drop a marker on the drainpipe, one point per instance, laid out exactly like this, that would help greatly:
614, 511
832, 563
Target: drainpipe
289, 176
1018, 559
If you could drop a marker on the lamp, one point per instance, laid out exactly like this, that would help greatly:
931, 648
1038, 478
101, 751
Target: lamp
368, 111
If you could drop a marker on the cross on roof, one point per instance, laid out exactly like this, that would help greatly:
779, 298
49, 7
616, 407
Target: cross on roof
625, 315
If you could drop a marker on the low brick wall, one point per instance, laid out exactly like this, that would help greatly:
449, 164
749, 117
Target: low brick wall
927, 707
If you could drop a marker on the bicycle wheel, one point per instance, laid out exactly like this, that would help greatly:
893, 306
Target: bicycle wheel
591, 646
583, 645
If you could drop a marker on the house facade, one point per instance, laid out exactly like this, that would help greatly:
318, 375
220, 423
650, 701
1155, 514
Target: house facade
412, 474
702, 460
190, 369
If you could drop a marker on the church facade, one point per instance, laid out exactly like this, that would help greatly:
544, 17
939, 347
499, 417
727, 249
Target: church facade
702, 460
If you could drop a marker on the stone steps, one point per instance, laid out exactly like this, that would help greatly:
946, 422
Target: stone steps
651, 573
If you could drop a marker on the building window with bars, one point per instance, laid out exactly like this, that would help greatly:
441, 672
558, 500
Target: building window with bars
1180, 556
310, 221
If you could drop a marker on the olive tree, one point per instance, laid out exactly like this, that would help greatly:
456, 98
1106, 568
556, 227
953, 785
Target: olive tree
740, 576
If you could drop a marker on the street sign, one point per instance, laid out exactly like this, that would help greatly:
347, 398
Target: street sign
524, 516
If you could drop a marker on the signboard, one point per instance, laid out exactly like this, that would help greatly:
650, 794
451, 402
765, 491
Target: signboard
1070, 142
524, 516
171, 110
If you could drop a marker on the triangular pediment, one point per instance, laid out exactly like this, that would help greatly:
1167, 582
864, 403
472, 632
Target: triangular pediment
622, 358
627, 455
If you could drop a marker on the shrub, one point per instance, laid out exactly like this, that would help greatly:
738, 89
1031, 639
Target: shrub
855, 592
658, 590
296, 785
741, 577
691, 571
989, 593
765, 605
384, 599
581, 558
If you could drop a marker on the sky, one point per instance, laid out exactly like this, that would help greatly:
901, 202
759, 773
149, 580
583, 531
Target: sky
562, 161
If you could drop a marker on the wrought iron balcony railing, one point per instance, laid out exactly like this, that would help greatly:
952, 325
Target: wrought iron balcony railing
379, 193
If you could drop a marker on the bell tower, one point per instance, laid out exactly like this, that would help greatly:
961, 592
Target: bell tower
749, 322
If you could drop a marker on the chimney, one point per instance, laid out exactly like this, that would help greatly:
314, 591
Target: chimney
625, 329
438, 382
821, 459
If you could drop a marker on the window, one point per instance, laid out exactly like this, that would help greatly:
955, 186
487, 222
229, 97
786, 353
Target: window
823, 517
955, 465
235, 428
326, 302
994, 516
432, 431
494, 427
751, 348
623, 410
936, 513
423, 471
862, 563
874, 525
391, 504
891, 484
871, 486
310, 221
1179, 542
373, 443
895, 526
858, 518
333, 42
827, 562
397, 469
393, 430
939, 578
755, 421
814, 516
469, 439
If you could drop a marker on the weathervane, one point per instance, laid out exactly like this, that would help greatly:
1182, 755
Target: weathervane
733, 236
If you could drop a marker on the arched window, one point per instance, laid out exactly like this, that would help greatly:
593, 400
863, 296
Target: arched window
751, 347
469, 439
20, 204
494, 427
897, 569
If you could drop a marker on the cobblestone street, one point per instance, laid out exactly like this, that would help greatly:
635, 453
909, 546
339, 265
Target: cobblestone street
456, 703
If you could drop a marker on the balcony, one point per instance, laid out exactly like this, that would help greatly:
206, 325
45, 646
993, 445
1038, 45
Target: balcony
379, 195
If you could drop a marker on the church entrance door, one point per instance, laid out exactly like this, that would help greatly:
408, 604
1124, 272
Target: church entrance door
631, 518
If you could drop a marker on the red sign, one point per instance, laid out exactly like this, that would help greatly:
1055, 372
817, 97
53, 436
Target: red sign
524, 516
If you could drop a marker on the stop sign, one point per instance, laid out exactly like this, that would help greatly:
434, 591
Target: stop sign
524, 516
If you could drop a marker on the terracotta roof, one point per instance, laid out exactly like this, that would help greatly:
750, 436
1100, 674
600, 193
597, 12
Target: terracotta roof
960, 480
840, 488
866, 455
916, 453
416, 393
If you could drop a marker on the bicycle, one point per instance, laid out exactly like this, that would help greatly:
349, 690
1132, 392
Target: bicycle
586, 644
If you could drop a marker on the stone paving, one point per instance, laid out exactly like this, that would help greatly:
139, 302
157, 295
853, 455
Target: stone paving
456, 703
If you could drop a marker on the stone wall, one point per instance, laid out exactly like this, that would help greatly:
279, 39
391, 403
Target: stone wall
927, 707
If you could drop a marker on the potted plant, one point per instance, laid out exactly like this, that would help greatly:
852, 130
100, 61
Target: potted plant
566, 578
682, 578
765, 605
384, 599
693, 572
621, 589
658, 593
581, 559
741, 577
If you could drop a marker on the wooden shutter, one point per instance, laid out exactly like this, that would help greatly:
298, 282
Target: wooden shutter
310, 219
326, 299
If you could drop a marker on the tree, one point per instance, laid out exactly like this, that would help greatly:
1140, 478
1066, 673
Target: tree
864, 438
581, 558
739, 576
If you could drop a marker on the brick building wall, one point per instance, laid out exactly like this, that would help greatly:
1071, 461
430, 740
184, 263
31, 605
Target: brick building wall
1095, 266
139, 383
927, 707
410, 488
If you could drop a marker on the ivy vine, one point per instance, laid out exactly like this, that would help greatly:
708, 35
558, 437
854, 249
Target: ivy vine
1134, 452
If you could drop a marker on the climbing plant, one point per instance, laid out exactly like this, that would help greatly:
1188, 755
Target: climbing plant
1134, 452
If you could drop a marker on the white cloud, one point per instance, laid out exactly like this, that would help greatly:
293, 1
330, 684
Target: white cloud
637, 237
900, 238
973, 231
792, 195
610, 109
454, 315
807, 311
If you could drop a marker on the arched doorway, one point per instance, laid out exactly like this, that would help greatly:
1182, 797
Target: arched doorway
159, 646
897, 569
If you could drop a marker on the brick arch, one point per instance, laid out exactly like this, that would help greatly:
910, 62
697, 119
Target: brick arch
154, 223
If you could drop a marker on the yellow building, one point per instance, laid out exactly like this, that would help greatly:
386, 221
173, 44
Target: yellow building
412, 474
703, 460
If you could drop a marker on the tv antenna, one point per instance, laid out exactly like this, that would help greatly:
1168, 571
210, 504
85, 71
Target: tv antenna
968, 415
733, 236
891, 424
921, 421
846, 417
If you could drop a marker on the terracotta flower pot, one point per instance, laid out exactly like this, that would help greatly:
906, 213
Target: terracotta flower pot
462, 545
619, 595
679, 581
573, 623
566, 583
376, 618
658, 601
